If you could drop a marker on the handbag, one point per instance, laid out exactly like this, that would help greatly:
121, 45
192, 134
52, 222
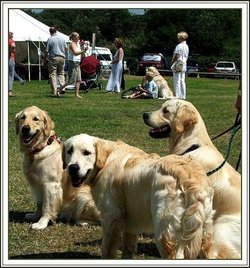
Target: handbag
177, 66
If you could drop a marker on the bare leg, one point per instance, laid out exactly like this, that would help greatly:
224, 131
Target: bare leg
77, 90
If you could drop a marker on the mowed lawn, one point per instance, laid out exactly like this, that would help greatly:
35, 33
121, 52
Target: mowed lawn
110, 117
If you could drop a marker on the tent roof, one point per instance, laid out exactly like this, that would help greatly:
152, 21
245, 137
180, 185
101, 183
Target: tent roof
25, 27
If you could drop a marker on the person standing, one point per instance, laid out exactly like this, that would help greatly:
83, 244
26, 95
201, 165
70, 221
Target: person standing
56, 53
12, 50
180, 57
115, 77
74, 60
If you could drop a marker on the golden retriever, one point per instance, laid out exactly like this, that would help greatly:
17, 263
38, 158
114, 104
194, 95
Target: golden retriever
164, 90
180, 122
43, 168
138, 193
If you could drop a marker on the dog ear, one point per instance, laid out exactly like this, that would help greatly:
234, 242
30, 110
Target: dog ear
17, 117
186, 117
103, 150
49, 124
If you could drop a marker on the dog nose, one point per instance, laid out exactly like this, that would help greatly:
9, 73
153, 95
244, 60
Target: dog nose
73, 169
25, 129
145, 117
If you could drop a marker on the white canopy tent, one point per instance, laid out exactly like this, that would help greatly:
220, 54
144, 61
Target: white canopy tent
27, 29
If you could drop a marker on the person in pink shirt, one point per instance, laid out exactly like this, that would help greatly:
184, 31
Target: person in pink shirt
12, 50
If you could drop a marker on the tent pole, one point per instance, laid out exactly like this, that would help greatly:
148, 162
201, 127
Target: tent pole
28, 44
93, 41
39, 60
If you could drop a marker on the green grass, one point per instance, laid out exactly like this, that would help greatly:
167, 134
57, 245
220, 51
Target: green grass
109, 117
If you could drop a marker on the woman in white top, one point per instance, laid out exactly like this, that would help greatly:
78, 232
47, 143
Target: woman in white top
180, 53
74, 60
115, 78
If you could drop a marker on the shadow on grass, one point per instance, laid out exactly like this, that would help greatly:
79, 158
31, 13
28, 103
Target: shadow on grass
143, 248
60, 255
18, 216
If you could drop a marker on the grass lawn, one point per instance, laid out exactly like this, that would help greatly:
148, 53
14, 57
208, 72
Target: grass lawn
109, 117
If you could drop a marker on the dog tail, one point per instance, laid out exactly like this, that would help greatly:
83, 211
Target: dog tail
197, 220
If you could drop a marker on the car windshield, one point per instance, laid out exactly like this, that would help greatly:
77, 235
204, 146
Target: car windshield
225, 65
106, 57
151, 58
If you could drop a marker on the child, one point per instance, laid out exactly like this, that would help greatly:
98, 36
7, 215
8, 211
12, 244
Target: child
149, 91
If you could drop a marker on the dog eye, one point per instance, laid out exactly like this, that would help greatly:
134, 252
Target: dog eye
36, 118
70, 151
23, 117
86, 152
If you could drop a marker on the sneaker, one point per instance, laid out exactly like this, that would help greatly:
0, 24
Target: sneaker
10, 94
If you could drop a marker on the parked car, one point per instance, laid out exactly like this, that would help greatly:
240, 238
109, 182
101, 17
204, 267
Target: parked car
152, 59
224, 68
192, 67
211, 68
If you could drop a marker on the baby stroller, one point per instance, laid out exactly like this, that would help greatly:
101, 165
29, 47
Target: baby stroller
91, 73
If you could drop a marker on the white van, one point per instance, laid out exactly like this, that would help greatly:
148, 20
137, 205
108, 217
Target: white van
104, 55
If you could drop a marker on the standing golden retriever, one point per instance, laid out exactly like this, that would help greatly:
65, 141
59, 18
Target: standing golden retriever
43, 168
180, 121
138, 193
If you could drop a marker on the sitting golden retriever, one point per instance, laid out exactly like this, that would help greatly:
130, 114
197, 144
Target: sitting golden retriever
164, 90
43, 168
138, 193
180, 121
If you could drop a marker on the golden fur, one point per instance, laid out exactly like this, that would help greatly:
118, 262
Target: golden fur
180, 121
164, 90
43, 168
138, 193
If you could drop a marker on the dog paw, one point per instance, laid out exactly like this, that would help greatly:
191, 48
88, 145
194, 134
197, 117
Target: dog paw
37, 226
41, 224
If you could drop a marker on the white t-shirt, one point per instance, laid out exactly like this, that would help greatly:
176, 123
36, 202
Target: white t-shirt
183, 50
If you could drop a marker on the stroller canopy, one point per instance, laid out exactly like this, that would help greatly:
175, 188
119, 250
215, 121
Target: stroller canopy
90, 65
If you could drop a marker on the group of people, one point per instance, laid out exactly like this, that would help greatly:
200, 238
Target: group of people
150, 89
58, 51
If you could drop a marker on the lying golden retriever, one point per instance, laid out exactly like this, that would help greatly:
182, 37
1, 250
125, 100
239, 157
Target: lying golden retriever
180, 122
138, 193
43, 168
164, 90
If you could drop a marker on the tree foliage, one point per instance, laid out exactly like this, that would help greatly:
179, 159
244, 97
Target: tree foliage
213, 33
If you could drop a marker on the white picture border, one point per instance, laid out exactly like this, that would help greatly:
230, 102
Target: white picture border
5, 6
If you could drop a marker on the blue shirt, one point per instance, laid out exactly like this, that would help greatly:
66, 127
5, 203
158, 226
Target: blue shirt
56, 46
152, 88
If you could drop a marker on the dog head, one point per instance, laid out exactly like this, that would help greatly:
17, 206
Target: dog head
33, 125
84, 156
174, 118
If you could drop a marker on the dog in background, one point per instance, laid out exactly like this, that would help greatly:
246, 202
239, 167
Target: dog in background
43, 168
138, 193
180, 122
164, 90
